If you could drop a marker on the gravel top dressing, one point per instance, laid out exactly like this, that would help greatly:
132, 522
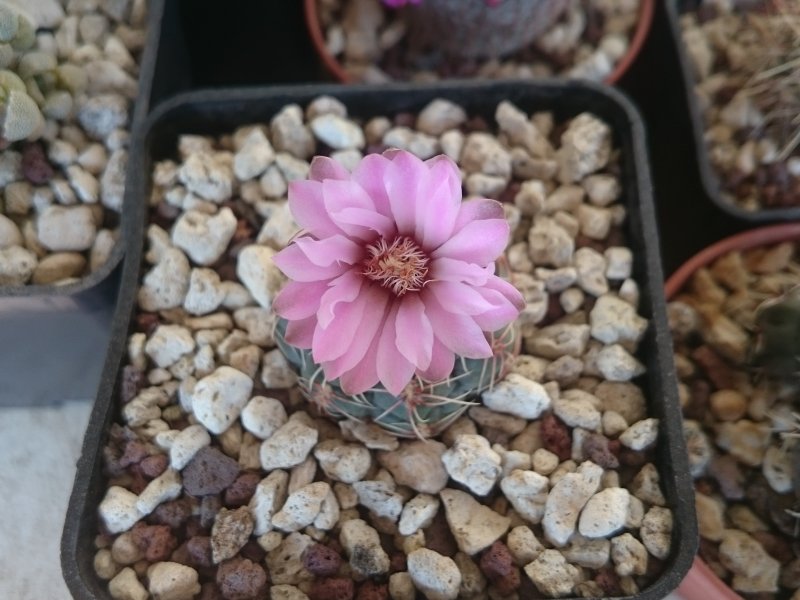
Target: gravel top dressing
225, 481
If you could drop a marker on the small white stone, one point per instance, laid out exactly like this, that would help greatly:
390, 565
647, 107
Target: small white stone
166, 486
343, 462
172, 581
523, 545
566, 500
205, 292
591, 268
619, 262
301, 507
66, 228
126, 586
16, 265
288, 446
585, 148
591, 554
436, 576
550, 244
418, 513
418, 465
552, 575
617, 364
263, 416
521, 131
613, 320
380, 498
166, 284
483, 153
337, 132
204, 237
421, 145
118, 509
656, 531
517, 395
577, 411
289, 134
254, 156
605, 513
257, 271
112, 181
218, 399
363, 546
285, 563
270, 494
472, 462
186, 444
640, 435
276, 372
474, 525
279, 229
527, 491
629, 555
440, 115
208, 177
168, 343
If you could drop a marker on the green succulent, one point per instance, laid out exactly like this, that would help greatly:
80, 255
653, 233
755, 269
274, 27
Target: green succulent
776, 351
424, 408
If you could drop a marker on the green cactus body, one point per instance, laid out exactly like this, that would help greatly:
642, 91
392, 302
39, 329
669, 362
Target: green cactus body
424, 408
777, 346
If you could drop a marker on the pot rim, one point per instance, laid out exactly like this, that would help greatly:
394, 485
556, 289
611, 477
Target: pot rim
335, 68
701, 582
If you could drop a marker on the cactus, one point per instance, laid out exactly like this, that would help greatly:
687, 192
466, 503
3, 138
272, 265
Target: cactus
424, 408
776, 351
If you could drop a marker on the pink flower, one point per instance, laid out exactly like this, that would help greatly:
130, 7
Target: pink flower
394, 274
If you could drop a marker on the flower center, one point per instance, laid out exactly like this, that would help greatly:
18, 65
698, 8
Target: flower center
401, 266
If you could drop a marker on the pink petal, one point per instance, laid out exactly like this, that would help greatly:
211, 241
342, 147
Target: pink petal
450, 269
308, 209
394, 370
342, 195
298, 300
344, 288
364, 375
332, 341
414, 332
403, 177
371, 325
324, 167
438, 202
501, 314
331, 250
301, 333
478, 242
511, 293
368, 219
478, 209
442, 362
370, 175
458, 333
296, 265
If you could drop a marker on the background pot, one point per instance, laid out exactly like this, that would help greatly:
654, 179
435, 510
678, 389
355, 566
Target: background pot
61, 329
335, 68
218, 111
708, 173
701, 583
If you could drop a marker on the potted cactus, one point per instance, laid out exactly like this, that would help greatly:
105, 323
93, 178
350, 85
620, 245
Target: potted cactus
375, 41
734, 318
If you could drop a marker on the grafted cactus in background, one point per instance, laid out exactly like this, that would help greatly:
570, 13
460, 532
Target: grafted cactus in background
476, 29
31, 81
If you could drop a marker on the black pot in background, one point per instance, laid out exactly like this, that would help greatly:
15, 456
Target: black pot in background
53, 334
708, 173
221, 111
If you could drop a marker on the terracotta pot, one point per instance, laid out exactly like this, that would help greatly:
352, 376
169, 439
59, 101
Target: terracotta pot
336, 69
701, 583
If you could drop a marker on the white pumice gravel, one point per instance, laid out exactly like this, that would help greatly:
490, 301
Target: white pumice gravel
549, 476
63, 187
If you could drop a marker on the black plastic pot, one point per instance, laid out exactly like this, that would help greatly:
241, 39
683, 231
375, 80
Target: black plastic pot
60, 330
218, 111
708, 174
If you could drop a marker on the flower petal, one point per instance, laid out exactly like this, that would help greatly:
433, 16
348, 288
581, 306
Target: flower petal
332, 341
442, 362
477, 209
458, 333
364, 375
299, 300
438, 202
450, 269
459, 298
369, 219
344, 288
394, 370
370, 174
341, 195
478, 242
371, 325
301, 333
403, 178
324, 167
414, 337
297, 266
308, 209
330, 250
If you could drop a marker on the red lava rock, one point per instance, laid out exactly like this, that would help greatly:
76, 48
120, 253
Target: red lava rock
156, 541
397, 563
332, 588
507, 585
210, 591
35, 166
405, 119
209, 507
172, 513
154, 465
241, 579
137, 481
146, 322
439, 538
242, 489
193, 527
134, 452
369, 590
699, 392
729, 476
496, 561
715, 368
632, 458
181, 555
596, 449
132, 383
252, 551
321, 561
199, 549
608, 580
556, 436
209, 472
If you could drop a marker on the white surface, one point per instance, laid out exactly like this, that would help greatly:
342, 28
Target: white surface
39, 448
